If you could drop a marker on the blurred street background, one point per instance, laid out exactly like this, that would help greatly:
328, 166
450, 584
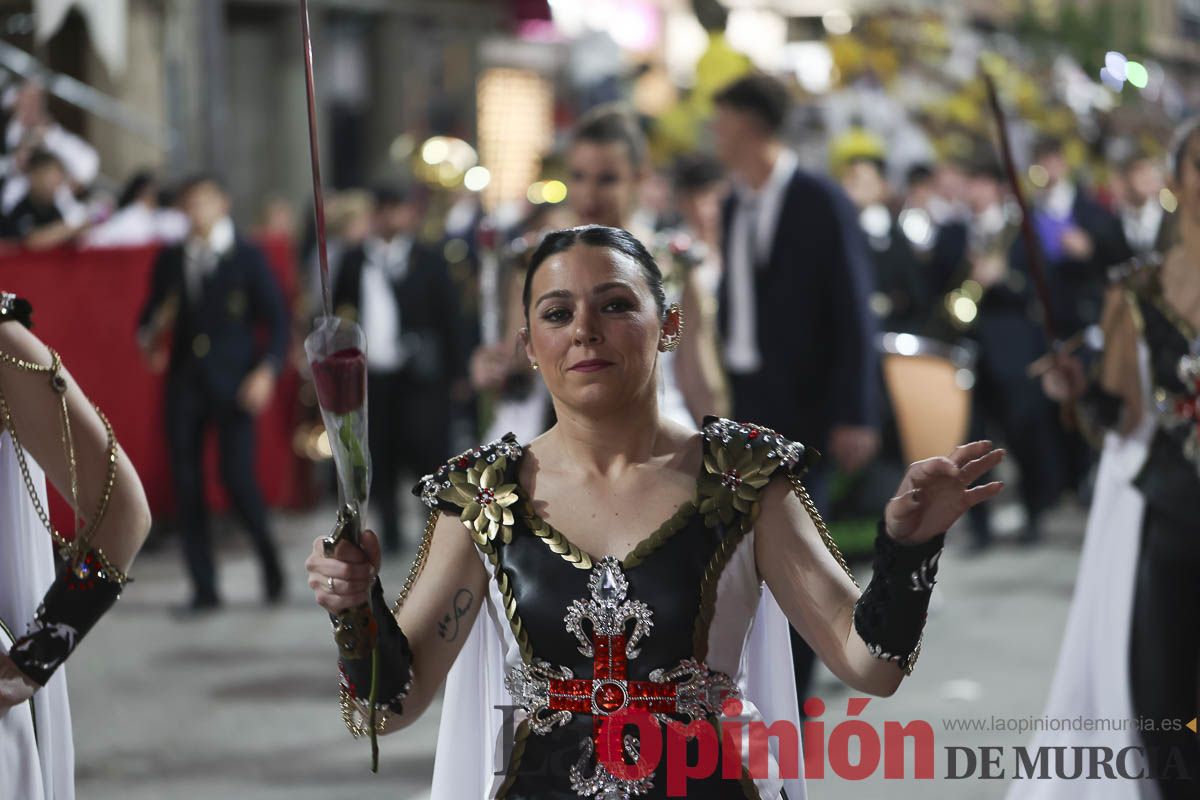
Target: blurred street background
453, 135
244, 704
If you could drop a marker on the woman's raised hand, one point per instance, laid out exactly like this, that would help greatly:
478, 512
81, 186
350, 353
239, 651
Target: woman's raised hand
936, 492
344, 579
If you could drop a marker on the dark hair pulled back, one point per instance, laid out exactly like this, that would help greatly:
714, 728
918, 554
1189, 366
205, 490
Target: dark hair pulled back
615, 239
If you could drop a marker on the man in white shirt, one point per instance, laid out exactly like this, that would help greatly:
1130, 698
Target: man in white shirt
795, 291
799, 334
1144, 222
401, 293
29, 128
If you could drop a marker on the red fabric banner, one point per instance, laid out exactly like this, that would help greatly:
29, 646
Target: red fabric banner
86, 305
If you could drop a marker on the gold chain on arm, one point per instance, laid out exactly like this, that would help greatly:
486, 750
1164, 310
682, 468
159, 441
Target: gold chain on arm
811, 507
351, 712
76, 550
419, 559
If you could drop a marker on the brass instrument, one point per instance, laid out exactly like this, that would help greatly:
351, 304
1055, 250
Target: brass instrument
960, 305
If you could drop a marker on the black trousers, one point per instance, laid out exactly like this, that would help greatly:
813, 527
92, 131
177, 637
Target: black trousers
1164, 650
1009, 403
408, 431
190, 411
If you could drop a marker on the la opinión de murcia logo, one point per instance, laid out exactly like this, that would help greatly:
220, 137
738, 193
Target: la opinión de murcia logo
853, 749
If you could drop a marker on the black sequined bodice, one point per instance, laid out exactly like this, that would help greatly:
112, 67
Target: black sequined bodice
661, 595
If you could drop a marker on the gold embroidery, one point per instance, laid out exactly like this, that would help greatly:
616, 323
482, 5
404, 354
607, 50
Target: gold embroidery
729, 488
556, 541
504, 584
708, 592
657, 539
484, 501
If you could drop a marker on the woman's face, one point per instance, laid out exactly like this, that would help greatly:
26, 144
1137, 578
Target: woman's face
594, 329
1187, 187
603, 183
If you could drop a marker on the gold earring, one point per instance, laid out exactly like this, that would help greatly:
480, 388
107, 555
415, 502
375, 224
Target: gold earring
670, 342
533, 365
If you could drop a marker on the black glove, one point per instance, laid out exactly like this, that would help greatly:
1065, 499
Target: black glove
81, 594
890, 614
352, 631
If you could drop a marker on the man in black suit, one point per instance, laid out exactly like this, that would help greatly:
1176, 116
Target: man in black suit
1079, 237
799, 335
1146, 227
401, 293
209, 295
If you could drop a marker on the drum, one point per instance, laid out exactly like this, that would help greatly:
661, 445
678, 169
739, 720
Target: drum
929, 383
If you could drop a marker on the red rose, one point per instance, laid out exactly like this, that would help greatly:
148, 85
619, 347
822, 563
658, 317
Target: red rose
341, 380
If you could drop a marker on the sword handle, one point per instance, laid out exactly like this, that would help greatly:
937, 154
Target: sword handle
354, 629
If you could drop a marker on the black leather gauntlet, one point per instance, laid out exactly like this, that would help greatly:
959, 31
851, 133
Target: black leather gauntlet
352, 630
80, 595
1098, 411
890, 614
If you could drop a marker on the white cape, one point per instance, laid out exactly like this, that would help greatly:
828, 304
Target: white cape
41, 767
1091, 680
470, 755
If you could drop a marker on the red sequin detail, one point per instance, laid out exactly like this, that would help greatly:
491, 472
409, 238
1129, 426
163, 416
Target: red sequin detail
608, 689
609, 697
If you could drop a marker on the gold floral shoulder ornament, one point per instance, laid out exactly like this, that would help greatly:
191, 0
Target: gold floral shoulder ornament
739, 460
479, 487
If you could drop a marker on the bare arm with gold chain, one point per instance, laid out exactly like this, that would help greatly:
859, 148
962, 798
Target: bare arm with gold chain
50, 421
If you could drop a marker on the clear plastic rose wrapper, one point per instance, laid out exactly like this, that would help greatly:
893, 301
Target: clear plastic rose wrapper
337, 356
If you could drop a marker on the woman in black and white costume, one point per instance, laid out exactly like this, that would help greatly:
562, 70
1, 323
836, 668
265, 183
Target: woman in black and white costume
46, 605
1132, 645
575, 588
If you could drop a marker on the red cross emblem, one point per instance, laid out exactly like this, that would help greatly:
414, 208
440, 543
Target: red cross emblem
609, 692
550, 695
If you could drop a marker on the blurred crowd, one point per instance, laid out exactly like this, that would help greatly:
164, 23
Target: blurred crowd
436, 281
947, 266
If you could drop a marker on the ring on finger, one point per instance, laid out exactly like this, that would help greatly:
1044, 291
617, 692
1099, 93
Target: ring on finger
329, 583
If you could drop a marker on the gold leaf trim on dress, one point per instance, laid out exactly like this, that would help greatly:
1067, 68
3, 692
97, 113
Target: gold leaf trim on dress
672, 526
514, 760
1146, 283
739, 460
554, 539
708, 591
1181, 324
504, 585
484, 499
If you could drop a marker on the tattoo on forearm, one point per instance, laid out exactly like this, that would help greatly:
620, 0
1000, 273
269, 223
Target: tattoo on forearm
448, 626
